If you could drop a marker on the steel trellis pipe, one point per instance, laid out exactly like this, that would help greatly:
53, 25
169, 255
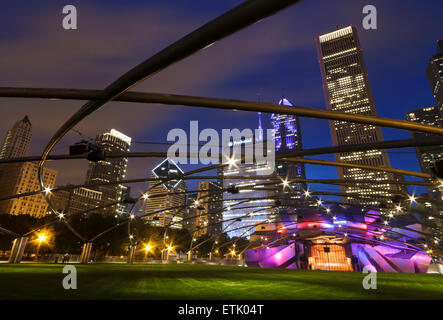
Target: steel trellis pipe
218, 103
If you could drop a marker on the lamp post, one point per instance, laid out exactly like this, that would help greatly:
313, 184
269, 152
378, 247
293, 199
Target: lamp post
41, 238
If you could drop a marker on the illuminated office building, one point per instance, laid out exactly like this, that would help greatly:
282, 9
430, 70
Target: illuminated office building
346, 87
434, 73
190, 220
287, 138
165, 206
78, 200
431, 116
22, 178
17, 140
240, 217
110, 169
209, 209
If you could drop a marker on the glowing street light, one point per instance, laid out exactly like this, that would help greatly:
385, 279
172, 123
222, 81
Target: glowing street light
47, 190
145, 196
285, 183
42, 237
307, 193
319, 202
148, 248
412, 199
231, 161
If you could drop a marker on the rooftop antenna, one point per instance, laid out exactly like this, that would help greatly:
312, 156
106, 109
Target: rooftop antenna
260, 137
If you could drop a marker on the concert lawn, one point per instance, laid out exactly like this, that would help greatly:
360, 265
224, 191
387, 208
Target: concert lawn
183, 281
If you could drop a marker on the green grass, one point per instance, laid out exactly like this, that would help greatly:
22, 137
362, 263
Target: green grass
118, 281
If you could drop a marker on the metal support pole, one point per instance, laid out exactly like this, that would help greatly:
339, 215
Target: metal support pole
17, 250
131, 254
189, 255
165, 254
86, 252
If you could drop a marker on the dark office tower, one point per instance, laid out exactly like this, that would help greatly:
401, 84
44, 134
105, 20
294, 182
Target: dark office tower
191, 212
434, 72
287, 138
209, 209
110, 169
347, 90
17, 140
432, 116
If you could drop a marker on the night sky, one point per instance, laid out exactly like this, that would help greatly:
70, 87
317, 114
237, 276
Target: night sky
275, 57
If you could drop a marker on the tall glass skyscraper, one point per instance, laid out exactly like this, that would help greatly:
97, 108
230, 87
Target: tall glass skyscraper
287, 137
346, 87
110, 169
434, 72
17, 140
431, 116
240, 214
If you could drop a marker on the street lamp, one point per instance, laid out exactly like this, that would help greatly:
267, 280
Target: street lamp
42, 237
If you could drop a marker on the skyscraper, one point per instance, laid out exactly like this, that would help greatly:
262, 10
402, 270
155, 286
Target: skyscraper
23, 178
240, 216
190, 221
434, 73
17, 140
110, 169
209, 209
287, 137
432, 116
77, 200
346, 87
165, 206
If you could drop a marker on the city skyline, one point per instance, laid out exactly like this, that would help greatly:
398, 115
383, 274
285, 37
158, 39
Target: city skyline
314, 102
